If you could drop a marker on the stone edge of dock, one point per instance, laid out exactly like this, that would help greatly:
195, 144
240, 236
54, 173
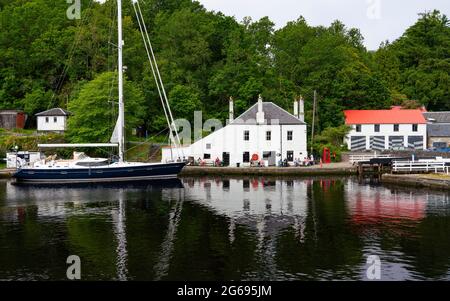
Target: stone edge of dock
265, 171
416, 180
6, 173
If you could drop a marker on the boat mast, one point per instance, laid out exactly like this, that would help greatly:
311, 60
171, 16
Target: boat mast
121, 118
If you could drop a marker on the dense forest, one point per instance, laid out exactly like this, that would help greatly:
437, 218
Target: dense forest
47, 60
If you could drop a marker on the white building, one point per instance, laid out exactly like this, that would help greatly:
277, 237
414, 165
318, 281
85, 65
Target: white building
395, 129
53, 120
264, 132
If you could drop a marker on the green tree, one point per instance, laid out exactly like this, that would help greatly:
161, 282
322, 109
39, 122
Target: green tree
94, 110
184, 101
422, 55
36, 101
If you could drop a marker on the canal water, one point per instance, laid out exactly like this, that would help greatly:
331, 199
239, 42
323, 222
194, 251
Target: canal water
225, 229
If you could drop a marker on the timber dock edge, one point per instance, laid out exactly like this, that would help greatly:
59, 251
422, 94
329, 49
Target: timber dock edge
267, 171
417, 180
6, 173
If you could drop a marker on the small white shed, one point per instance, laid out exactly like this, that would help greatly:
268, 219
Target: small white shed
53, 120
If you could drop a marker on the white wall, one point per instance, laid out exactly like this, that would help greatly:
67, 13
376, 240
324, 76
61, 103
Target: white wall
387, 130
231, 139
51, 125
284, 200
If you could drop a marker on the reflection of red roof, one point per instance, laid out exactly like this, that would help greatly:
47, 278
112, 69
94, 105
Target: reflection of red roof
368, 209
394, 116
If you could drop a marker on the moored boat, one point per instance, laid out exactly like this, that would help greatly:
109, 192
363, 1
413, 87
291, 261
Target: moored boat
83, 168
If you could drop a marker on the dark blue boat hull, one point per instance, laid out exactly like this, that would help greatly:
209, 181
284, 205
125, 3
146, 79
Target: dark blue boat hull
106, 174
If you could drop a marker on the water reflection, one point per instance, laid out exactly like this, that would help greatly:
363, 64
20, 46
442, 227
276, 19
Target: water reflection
119, 219
220, 229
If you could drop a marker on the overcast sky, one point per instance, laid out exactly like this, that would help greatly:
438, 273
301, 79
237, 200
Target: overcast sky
378, 20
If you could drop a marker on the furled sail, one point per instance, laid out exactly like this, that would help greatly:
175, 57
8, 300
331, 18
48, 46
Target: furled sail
115, 134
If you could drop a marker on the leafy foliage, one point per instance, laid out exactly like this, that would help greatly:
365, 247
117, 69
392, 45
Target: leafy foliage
205, 57
94, 113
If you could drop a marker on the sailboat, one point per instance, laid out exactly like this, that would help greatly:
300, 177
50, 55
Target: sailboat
83, 168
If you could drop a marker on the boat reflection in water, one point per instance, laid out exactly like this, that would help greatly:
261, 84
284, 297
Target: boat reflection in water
225, 229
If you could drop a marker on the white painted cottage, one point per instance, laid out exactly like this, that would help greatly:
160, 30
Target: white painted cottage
53, 120
264, 132
394, 129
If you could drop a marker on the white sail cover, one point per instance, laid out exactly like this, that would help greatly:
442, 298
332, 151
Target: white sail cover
115, 135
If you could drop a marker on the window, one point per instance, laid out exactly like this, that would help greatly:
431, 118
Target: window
439, 144
206, 156
396, 127
358, 128
415, 127
268, 135
246, 135
289, 135
208, 145
376, 128
267, 155
46, 119
290, 156
246, 157
55, 119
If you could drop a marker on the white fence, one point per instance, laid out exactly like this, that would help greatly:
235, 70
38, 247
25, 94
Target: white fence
361, 158
420, 166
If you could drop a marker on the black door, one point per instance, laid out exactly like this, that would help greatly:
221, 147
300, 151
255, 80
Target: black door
226, 159
290, 156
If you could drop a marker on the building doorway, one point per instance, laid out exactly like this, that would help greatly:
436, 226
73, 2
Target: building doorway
290, 156
225, 159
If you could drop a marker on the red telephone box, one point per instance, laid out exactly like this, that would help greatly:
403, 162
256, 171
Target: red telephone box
326, 157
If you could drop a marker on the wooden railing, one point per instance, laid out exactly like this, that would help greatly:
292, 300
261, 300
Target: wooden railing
419, 166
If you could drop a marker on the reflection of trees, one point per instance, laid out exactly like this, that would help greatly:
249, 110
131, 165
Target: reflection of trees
25, 247
202, 249
146, 226
330, 249
91, 237
2, 192
432, 249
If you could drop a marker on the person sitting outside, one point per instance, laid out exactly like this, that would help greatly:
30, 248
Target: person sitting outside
217, 162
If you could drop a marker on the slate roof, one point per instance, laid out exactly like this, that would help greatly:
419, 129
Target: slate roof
438, 130
54, 112
437, 117
273, 114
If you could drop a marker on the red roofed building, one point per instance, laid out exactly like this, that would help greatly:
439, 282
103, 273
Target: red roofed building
396, 129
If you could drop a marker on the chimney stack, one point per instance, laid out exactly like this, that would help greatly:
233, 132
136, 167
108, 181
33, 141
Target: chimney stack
301, 114
231, 110
260, 114
296, 108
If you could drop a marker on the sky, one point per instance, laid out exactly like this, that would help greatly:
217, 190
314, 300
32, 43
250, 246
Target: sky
378, 20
